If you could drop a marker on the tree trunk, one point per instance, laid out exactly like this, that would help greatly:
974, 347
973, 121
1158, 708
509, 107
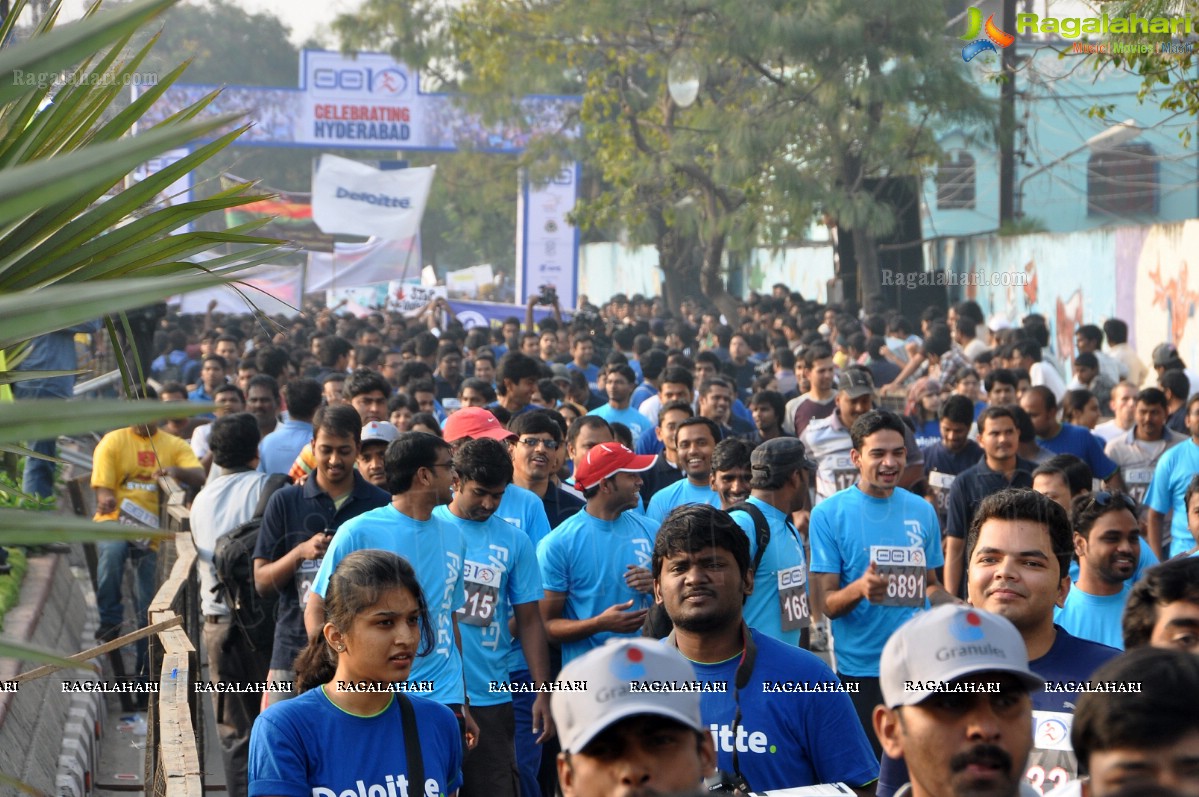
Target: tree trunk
679, 262
865, 249
712, 281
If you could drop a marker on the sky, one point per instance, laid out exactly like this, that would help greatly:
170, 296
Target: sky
305, 17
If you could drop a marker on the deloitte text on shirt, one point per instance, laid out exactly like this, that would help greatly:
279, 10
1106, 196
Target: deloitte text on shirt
436, 551
500, 571
849, 529
586, 559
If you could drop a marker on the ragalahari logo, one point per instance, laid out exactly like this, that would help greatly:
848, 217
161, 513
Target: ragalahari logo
994, 36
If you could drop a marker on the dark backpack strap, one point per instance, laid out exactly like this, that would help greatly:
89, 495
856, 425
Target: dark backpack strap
760, 526
273, 483
416, 764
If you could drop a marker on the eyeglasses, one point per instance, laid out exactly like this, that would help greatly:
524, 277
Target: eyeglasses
1105, 497
440, 465
533, 442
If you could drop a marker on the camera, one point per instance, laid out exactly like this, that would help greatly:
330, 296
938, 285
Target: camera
548, 296
722, 782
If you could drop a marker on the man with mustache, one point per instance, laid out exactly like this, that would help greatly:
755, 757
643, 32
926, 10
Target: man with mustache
1019, 558
956, 703
771, 696
1107, 541
621, 743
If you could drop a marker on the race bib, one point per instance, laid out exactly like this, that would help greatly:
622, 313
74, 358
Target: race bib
938, 486
130, 514
1052, 761
905, 570
482, 586
305, 575
1137, 482
793, 598
837, 473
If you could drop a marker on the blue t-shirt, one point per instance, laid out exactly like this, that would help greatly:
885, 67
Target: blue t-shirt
785, 555
525, 510
1168, 488
587, 559
630, 417
308, 746
641, 393
677, 494
591, 372
279, 449
1081, 443
1094, 617
500, 572
787, 739
435, 550
928, 432
843, 528
648, 442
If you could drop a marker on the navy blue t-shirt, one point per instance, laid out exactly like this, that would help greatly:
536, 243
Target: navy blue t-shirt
941, 467
1051, 762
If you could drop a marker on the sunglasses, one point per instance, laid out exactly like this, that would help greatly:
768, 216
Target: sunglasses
533, 442
1104, 498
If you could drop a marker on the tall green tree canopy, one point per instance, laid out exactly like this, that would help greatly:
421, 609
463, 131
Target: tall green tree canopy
802, 108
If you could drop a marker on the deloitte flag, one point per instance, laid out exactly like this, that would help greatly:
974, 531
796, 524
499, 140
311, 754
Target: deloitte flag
355, 199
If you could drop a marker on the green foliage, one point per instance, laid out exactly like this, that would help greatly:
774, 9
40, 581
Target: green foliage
76, 245
1169, 78
10, 585
801, 107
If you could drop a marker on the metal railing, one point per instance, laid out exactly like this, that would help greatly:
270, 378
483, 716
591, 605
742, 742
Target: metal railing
175, 721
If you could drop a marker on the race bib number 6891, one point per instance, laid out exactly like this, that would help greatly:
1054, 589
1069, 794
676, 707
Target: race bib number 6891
905, 570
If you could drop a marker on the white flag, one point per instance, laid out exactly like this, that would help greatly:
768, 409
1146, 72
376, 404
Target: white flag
353, 198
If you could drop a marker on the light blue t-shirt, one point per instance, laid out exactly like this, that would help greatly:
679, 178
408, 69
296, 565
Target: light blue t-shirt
279, 449
500, 572
1168, 489
844, 527
789, 739
1094, 617
308, 746
677, 494
435, 550
630, 417
587, 559
525, 510
784, 555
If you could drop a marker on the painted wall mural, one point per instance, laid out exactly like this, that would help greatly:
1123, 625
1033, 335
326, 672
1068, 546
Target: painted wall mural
1139, 274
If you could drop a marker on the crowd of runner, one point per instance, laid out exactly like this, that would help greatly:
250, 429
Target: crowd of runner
891, 553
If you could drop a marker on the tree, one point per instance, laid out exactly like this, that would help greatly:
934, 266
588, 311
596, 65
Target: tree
73, 244
800, 111
1172, 69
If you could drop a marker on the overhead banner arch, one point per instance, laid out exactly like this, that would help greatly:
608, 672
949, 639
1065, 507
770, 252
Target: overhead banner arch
371, 101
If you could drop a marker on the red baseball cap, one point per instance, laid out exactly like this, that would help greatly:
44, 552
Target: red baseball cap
606, 459
474, 422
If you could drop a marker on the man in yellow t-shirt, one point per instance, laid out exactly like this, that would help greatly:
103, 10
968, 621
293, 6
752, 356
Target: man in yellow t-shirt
125, 470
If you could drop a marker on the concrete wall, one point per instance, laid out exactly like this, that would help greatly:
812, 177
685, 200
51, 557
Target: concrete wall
606, 269
48, 738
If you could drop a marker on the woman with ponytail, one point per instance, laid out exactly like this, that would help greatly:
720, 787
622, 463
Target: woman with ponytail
349, 730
